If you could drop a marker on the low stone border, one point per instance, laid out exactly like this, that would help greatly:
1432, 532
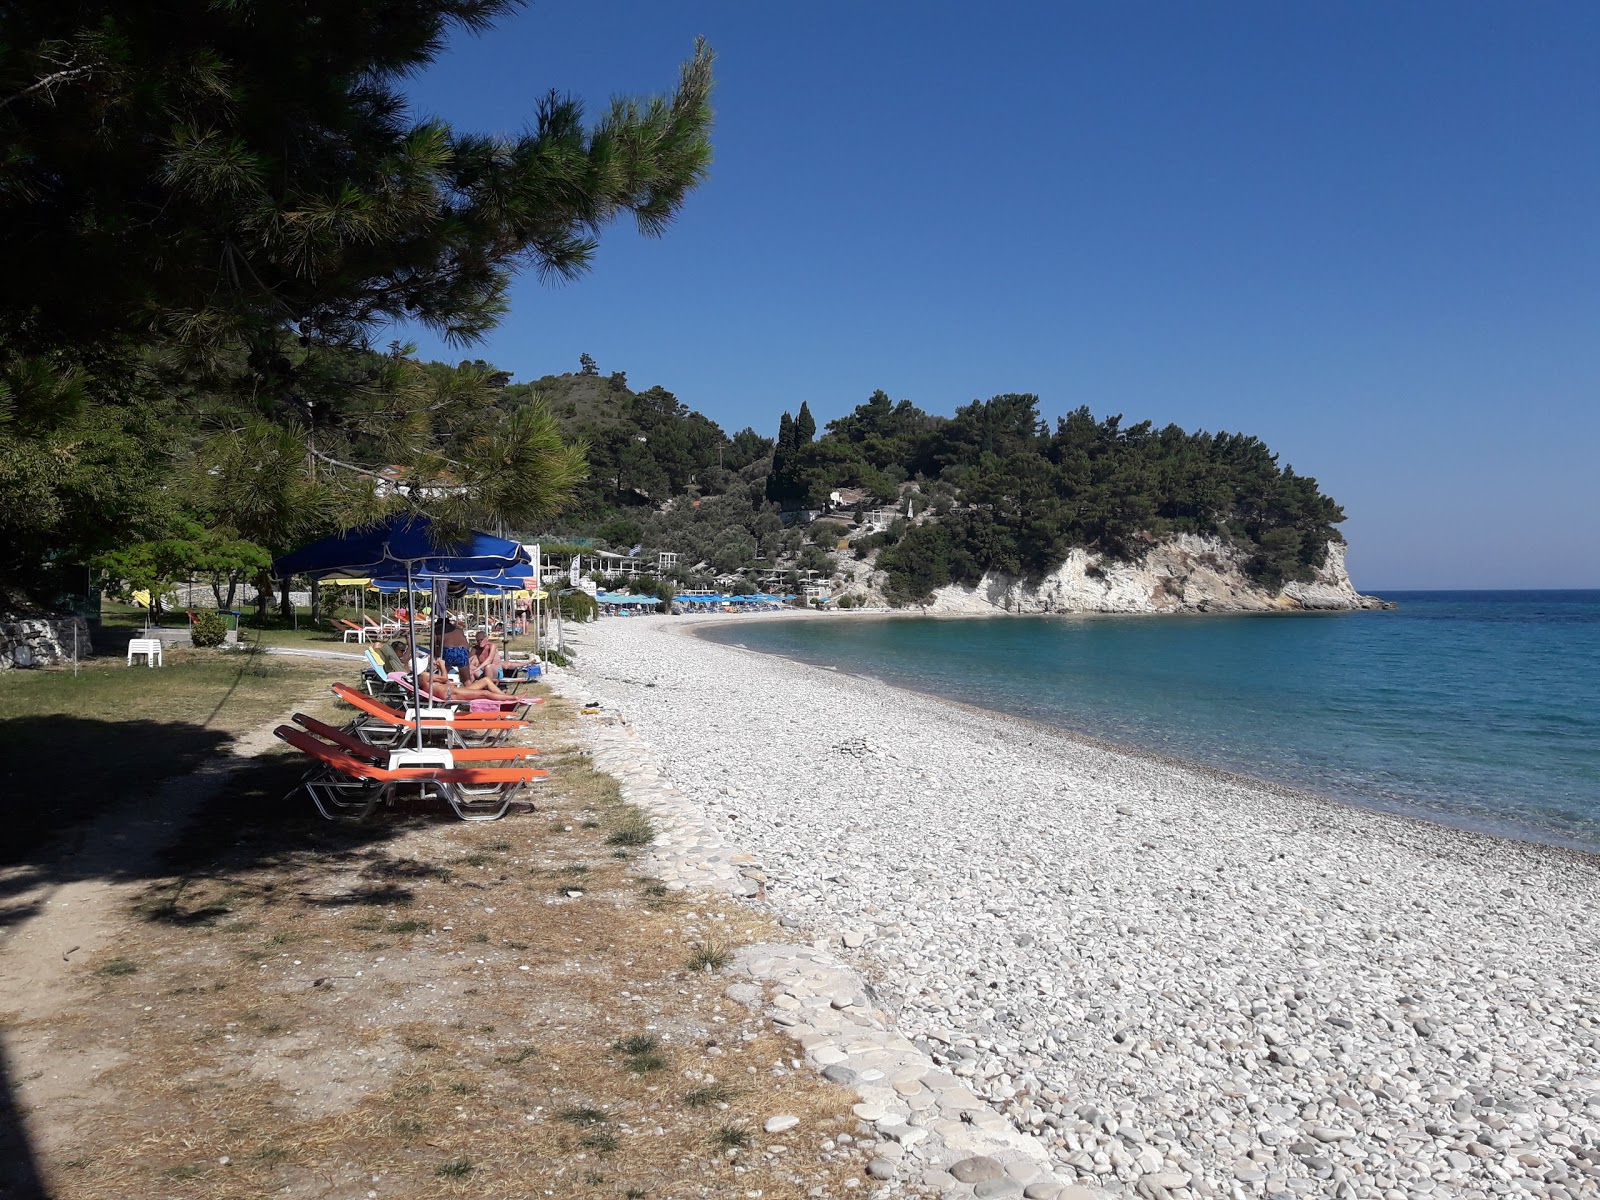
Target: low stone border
930, 1129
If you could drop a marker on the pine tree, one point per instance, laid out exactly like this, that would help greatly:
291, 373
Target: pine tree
213, 170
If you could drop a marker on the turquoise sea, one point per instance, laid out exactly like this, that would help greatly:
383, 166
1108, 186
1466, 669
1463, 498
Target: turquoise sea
1475, 709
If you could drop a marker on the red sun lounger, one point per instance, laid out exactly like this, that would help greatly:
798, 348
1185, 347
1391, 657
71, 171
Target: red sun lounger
347, 788
383, 756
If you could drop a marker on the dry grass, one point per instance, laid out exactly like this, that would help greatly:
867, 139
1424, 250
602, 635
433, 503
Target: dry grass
503, 1010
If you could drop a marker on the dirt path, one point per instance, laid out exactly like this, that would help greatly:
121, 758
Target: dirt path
108, 863
417, 1008
87, 881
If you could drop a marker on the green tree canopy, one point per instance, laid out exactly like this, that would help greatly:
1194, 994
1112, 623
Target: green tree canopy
207, 207
223, 169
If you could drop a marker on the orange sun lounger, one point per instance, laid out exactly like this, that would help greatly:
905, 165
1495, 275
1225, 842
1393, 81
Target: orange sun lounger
384, 725
347, 788
382, 755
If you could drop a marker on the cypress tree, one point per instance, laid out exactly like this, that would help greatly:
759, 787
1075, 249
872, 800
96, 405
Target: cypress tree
805, 426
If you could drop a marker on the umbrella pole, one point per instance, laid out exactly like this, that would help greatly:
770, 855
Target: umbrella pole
411, 637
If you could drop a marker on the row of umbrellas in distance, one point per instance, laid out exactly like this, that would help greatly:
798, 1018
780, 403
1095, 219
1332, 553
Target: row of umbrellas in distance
691, 598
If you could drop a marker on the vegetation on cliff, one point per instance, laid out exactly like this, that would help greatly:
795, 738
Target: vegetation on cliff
993, 489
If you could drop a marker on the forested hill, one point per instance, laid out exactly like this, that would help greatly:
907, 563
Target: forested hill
994, 488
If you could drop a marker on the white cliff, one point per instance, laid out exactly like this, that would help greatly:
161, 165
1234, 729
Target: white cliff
1181, 574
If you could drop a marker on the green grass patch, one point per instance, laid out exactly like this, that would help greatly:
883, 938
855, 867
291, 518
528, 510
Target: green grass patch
642, 1052
126, 729
733, 1137
709, 955
637, 832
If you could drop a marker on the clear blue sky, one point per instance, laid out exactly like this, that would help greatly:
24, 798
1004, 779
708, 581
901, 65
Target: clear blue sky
1368, 233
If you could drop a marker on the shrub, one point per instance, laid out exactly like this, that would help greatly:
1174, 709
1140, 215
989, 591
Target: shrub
578, 606
209, 628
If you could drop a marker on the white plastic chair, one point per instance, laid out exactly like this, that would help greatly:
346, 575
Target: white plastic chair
149, 647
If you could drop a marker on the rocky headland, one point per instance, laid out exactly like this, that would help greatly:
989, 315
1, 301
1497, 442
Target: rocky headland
1185, 573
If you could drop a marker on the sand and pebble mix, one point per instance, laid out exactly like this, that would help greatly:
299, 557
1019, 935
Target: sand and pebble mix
1063, 970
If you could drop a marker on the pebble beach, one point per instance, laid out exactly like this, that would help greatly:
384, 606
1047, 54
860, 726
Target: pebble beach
1176, 982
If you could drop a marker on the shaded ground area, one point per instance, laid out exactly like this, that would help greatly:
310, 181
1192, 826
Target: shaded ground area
80, 745
422, 1007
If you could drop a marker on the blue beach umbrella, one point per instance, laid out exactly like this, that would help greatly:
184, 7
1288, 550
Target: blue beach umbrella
405, 541
401, 540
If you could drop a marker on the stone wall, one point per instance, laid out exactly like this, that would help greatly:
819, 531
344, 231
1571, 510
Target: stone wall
42, 641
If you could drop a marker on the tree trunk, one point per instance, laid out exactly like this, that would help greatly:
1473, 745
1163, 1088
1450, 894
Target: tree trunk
316, 602
233, 591
286, 601
263, 594
216, 593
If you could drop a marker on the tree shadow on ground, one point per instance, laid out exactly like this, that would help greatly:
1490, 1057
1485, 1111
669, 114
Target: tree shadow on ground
19, 1172
62, 772
96, 799
87, 802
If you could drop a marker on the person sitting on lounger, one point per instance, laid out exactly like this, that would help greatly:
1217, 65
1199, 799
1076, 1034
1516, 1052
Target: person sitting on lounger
486, 657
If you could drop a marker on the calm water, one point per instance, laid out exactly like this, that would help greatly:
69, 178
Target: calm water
1479, 709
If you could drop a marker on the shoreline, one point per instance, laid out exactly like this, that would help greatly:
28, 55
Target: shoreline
1174, 980
1582, 854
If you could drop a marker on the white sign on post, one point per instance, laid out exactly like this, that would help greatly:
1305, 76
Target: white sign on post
574, 573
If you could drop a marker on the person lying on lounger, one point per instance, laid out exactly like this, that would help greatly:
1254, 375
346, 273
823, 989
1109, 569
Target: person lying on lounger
435, 684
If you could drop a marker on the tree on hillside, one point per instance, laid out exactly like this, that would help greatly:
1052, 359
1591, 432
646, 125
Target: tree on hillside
805, 425
587, 365
781, 484
746, 447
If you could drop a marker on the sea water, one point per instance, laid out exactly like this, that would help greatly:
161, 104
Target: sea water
1476, 709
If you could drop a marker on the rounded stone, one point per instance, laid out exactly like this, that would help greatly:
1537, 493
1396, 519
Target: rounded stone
1004, 1186
781, 1122
977, 1169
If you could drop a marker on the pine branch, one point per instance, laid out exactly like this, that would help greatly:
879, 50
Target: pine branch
49, 83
